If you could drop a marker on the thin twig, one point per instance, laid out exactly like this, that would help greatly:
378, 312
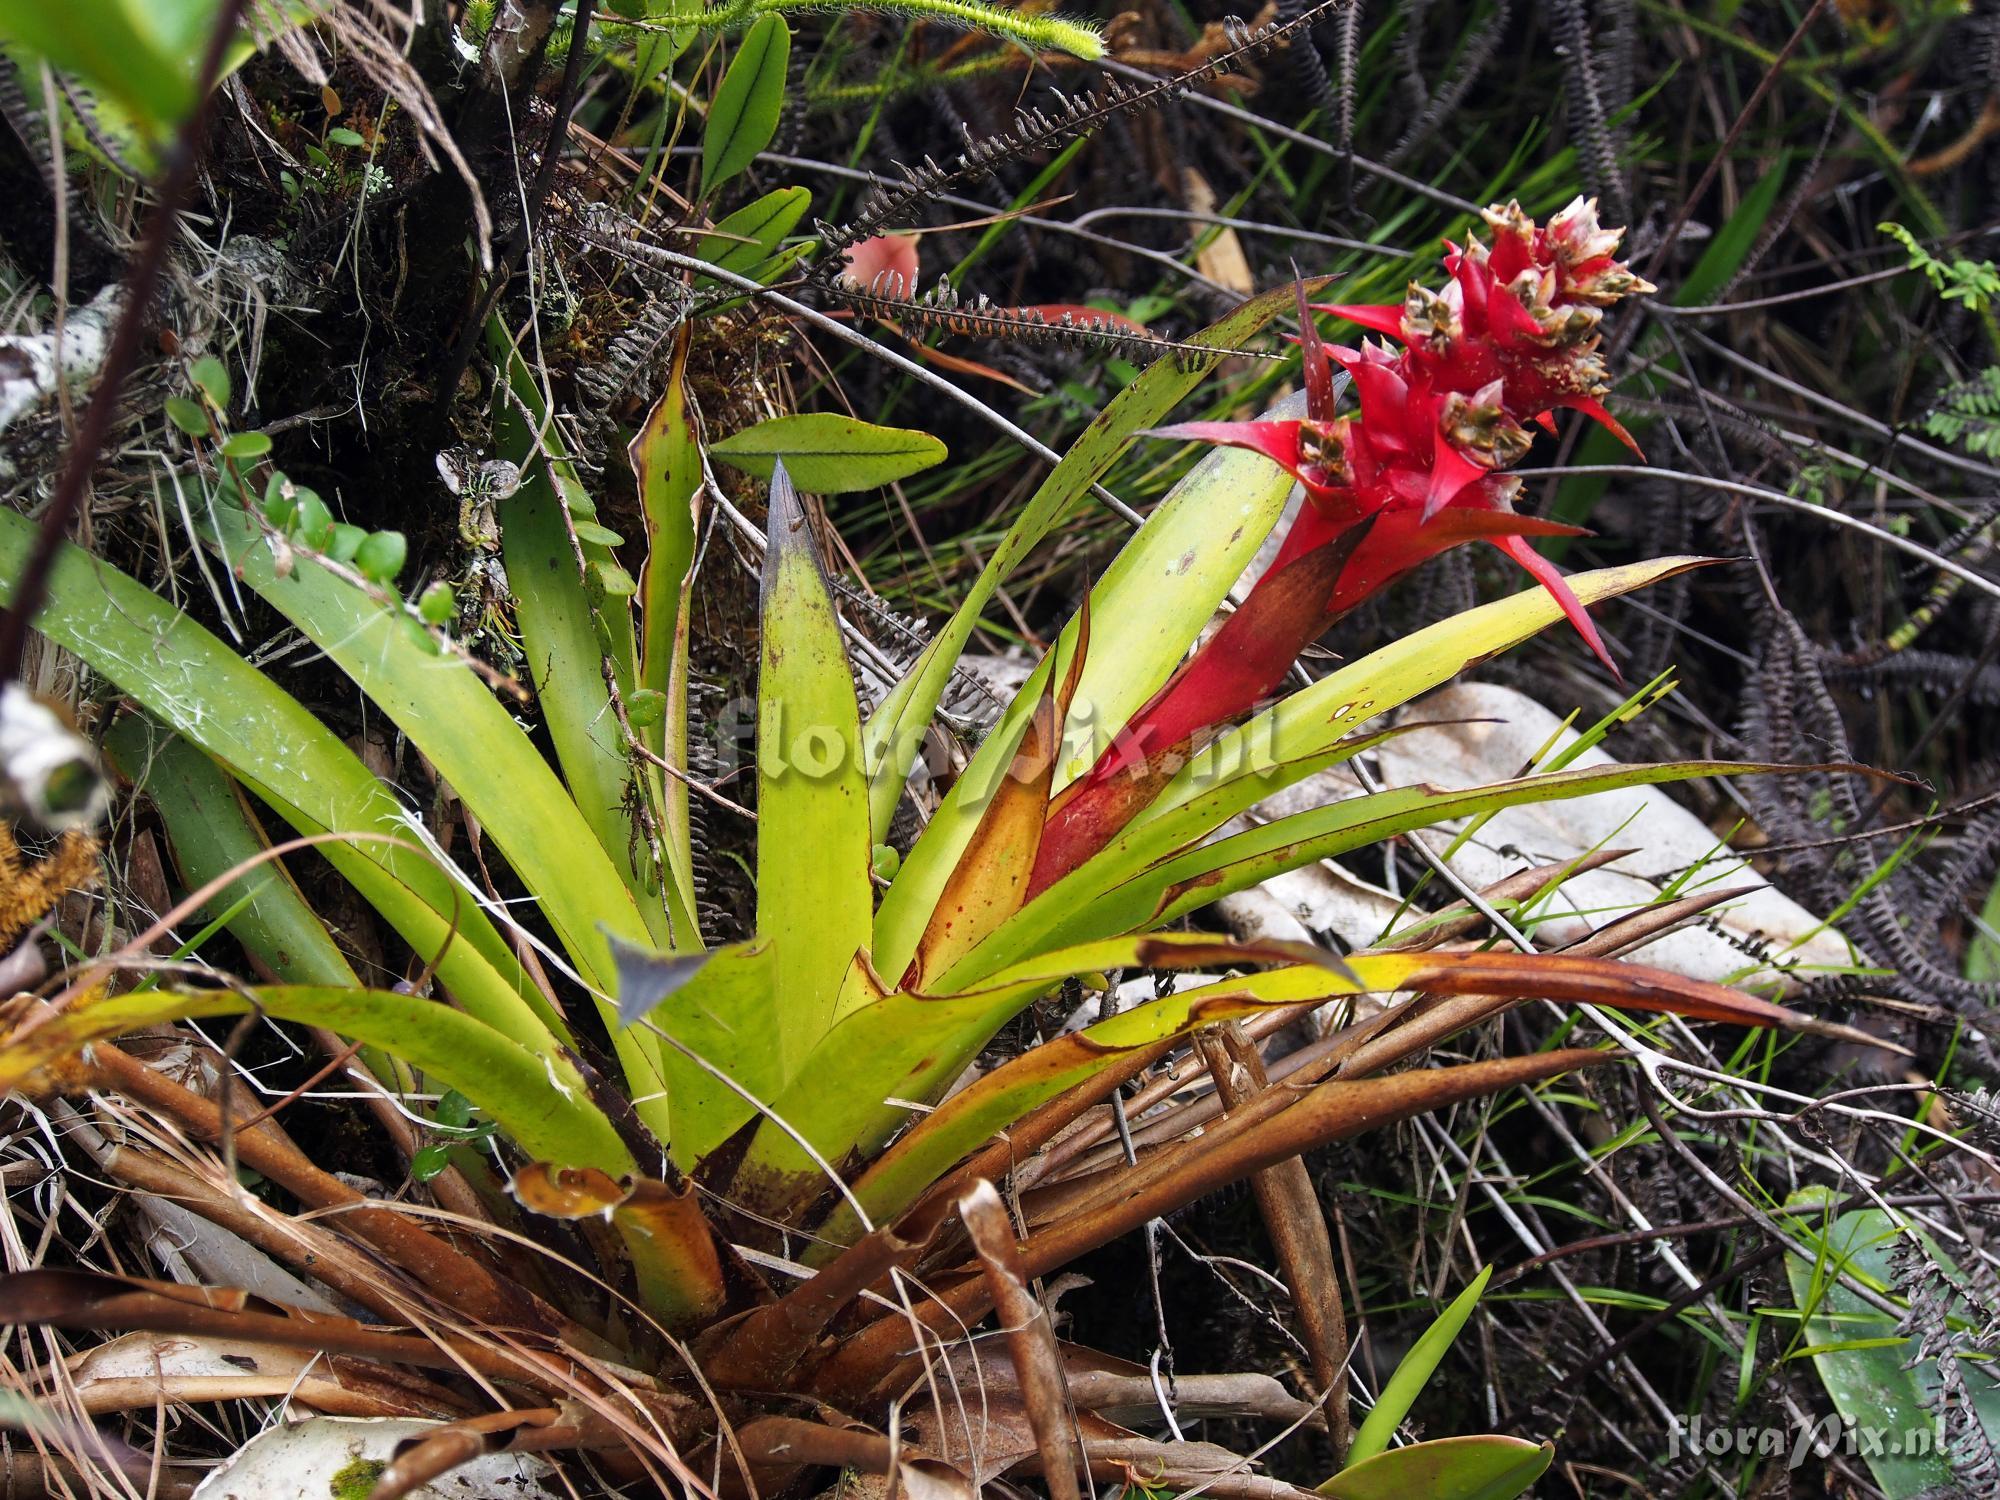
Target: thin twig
182, 157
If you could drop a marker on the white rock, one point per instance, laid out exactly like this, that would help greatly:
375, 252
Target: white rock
301, 1460
1666, 838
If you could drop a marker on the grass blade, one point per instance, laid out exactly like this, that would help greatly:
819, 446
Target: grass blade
1414, 1373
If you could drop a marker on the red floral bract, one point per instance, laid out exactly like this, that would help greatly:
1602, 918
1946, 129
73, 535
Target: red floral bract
1419, 468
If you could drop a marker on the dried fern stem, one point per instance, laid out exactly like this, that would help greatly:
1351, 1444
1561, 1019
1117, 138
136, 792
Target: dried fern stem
1039, 130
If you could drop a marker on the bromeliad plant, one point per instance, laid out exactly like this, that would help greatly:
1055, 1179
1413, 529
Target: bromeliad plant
801, 1081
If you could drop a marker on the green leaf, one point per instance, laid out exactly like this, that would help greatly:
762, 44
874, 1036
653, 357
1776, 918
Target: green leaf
927, 1039
1154, 598
346, 541
1414, 1373
665, 458
246, 445
1725, 254
1487, 1467
886, 861
381, 555
991, 878
743, 116
470, 738
566, 621
716, 1006
747, 237
1185, 882
106, 44
311, 522
905, 1046
539, 1100
657, 51
1872, 1372
932, 1038
829, 454
202, 688
141, 57
210, 832
1313, 729
476, 746
212, 375
188, 414
814, 898
340, 135
1152, 601
609, 580
645, 707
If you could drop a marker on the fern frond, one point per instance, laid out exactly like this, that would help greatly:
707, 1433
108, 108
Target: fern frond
1968, 414
1041, 130
940, 310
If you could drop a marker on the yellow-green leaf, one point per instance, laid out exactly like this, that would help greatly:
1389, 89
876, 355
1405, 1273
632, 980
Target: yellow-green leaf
830, 454
813, 848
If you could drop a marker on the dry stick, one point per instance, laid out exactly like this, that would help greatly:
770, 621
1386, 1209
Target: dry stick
1263, 1134
1448, 923
791, 1443
445, 1448
761, 1349
453, 1277
1012, 1146
788, 1444
531, 212
1448, 1015
1297, 1226
25, 1475
307, 1247
1721, 152
1031, 1341
87, 1301
33, 586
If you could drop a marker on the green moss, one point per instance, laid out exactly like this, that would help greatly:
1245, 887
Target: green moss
357, 1480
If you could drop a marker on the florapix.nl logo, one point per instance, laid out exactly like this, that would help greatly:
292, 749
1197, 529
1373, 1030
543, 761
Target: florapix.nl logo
1698, 1437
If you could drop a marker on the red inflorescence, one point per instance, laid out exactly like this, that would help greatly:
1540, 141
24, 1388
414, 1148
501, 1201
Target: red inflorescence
1417, 469
1513, 338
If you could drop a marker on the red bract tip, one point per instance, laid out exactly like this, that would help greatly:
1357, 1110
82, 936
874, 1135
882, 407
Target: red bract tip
1386, 319
1592, 408
1401, 540
1550, 577
1451, 472
1277, 441
1317, 371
